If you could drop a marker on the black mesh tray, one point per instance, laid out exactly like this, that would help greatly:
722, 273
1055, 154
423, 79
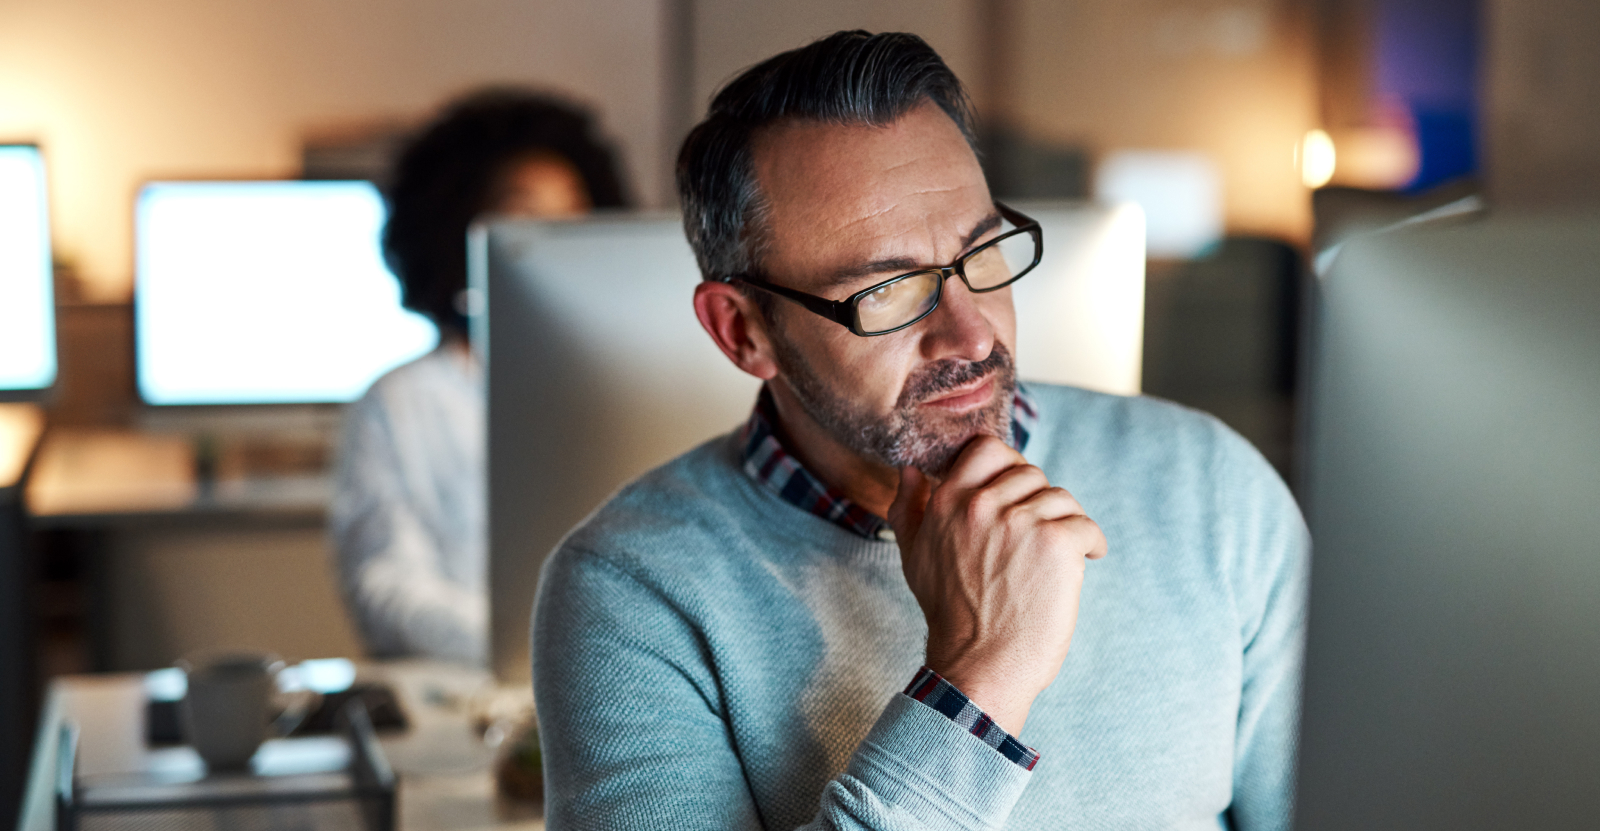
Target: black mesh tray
359, 793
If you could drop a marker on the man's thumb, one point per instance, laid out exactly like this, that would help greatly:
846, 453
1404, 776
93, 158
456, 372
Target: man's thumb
910, 501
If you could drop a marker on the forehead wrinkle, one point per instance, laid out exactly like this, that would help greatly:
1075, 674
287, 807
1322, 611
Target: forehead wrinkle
818, 195
866, 217
917, 159
898, 204
886, 243
852, 273
855, 195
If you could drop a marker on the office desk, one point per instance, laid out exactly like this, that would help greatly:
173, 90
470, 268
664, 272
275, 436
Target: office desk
444, 769
20, 428
172, 562
98, 477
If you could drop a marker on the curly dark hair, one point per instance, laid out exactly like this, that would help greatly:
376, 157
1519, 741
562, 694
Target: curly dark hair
447, 174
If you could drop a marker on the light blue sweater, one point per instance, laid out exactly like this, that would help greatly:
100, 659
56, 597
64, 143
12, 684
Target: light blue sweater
708, 656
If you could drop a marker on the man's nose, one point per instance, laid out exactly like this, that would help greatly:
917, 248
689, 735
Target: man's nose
958, 328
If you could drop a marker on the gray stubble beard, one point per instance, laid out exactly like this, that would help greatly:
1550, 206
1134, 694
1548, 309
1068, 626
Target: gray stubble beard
901, 439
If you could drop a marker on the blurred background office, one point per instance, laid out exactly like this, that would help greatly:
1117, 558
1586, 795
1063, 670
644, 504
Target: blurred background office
145, 520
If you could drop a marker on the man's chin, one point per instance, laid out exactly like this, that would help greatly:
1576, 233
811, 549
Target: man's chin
935, 443
937, 463
929, 438
937, 457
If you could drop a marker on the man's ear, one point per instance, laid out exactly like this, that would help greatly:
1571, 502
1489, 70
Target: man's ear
737, 326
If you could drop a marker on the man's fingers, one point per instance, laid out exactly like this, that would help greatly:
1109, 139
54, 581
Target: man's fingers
1052, 503
1013, 486
1059, 508
1086, 533
983, 459
910, 503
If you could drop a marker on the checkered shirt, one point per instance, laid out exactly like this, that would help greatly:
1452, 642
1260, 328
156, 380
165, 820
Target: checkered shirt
766, 461
931, 689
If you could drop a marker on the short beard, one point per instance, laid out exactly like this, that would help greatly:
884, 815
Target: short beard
901, 438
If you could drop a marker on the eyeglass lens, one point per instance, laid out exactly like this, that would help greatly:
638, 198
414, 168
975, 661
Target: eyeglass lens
997, 264
908, 299
899, 302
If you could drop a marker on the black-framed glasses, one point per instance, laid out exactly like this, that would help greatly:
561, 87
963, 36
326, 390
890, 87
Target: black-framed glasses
900, 301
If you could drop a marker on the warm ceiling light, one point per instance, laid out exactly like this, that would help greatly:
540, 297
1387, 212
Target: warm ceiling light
1316, 158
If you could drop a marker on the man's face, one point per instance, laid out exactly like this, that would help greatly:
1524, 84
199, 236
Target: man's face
850, 206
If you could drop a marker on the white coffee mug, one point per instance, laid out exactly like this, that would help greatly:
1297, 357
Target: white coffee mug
228, 710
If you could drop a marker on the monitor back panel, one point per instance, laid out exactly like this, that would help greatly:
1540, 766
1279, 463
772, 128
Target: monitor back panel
1453, 677
599, 371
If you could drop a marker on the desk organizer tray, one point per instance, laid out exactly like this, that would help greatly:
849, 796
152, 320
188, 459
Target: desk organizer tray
335, 782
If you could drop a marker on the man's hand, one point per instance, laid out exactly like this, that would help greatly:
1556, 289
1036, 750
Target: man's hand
995, 557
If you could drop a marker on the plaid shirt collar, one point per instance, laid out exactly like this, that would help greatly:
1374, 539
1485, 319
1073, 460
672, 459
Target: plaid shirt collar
766, 461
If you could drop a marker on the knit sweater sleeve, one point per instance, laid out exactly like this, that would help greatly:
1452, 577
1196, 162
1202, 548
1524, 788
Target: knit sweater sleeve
635, 734
1262, 525
388, 562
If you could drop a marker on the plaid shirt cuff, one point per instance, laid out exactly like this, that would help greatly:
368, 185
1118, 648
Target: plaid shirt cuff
931, 689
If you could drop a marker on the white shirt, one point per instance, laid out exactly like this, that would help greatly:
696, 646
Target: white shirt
409, 510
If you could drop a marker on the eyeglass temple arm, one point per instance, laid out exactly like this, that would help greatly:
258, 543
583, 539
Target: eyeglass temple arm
833, 310
1017, 218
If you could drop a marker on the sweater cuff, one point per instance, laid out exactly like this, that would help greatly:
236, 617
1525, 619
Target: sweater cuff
918, 763
930, 688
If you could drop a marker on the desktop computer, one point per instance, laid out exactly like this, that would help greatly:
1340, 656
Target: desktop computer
1453, 468
270, 292
27, 372
27, 304
598, 369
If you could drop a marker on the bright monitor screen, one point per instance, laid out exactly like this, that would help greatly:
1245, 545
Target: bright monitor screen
266, 293
27, 304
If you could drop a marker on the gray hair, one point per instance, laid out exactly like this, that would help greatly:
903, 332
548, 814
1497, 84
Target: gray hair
846, 78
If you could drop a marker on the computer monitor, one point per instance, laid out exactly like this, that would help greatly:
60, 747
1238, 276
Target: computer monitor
27, 300
1453, 470
270, 292
599, 371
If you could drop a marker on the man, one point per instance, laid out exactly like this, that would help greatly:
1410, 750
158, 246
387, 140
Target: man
724, 644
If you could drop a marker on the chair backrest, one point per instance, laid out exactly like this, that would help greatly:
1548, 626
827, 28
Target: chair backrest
599, 371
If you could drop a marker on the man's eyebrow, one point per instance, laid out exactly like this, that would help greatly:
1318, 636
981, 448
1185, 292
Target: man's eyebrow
851, 274
984, 226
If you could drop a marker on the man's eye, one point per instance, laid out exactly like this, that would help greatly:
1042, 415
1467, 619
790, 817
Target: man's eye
878, 298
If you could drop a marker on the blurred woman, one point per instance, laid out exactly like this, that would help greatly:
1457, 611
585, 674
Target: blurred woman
409, 511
